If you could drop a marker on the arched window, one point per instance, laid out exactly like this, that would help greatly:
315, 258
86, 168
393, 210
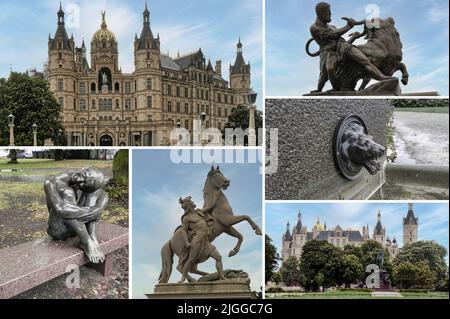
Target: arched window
93, 104
117, 87
93, 87
117, 103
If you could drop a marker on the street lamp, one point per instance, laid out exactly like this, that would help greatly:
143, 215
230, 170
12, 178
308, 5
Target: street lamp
202, 119
34, 126
251, 122
11, 129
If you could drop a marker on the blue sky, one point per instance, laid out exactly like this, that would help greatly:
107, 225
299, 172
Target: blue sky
184, 26
158, 182
423, 27
433, 218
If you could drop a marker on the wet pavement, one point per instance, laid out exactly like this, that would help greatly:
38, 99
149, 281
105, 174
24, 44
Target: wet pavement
421, 138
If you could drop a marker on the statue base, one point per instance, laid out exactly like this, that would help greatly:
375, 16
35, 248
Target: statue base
238, 288
388, 87
385, 283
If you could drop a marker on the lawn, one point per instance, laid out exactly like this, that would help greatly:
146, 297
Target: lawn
48, 166
356, 295
423, 109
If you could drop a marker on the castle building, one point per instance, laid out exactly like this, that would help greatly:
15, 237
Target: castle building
410, 226
102, 106
294, 240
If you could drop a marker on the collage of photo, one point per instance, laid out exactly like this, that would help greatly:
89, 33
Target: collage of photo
249, 149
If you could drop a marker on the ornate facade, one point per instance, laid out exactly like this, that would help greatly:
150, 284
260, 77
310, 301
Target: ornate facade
293, 241
103, 106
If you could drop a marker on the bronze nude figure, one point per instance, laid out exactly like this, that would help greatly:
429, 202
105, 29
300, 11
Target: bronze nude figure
75, 201
344, 64
191, 241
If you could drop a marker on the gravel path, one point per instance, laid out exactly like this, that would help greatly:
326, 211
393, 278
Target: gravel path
421, 138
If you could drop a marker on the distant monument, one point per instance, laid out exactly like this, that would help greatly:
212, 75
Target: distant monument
192, 243
344, 64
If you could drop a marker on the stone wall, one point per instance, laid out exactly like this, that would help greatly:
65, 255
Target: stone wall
306, 167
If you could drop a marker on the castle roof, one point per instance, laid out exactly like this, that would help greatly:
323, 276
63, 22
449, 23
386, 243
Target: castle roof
239, 65
104, 34
188, 60
61, 33
168, 63
410, 218
146, 33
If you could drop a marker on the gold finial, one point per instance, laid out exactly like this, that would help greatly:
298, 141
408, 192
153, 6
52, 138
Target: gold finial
103, 19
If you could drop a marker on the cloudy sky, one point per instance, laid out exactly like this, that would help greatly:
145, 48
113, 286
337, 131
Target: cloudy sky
158, 182
183, 25
433, 218
423, 27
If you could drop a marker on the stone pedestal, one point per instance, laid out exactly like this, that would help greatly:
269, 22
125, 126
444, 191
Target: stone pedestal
220, 289
105, 89
385, 283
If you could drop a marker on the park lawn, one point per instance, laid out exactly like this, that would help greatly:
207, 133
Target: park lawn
356, 295
48, 166
423, 109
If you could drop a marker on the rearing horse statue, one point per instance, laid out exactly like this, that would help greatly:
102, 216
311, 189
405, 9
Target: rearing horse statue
216, 204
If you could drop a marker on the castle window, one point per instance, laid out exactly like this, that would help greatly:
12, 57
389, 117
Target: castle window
59, 46
203, 108
127, 87
219, 110
60, 56
186, 124
207, 109
169, 106
127, 104
135, 86
226, 112
148, 55
206, 95
149, 102
117, 103
186, 92
232, 100
178, 107
93, 104
226, 98
93, 87
60, 84
169, 90
219, 98
74, 104
117, 87
61, 101
82, 87
82, 105
186, 108
135, 103
149, 84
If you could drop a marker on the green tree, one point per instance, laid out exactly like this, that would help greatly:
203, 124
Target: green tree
239, 118
29, 99
428, 252
405, 275
120, 167
276, 277
320, 257
271, 259
290, 271
353, 250
351, 269
424, 276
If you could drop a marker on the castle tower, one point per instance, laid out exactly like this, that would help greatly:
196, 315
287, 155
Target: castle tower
148, 77
365, 233
104, 51
286, 240
61, 69
240, 77
379, 232
410, 226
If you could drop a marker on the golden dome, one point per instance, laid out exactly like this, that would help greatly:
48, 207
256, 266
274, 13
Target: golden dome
104, 34
318, 226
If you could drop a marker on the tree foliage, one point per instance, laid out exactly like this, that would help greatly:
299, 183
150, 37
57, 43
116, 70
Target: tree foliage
239, 118
29, 99
290, 271
428, 252
271, 259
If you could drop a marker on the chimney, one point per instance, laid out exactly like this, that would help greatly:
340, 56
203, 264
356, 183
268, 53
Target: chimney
219, 67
